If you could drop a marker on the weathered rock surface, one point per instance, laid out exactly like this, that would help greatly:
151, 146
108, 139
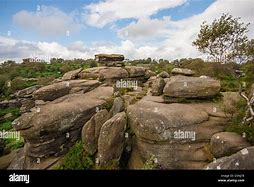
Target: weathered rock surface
182, 71
72, 74
6, 160
157, 87
163, 74
135, 71
27, 92
10, 103
56, 90
226, 143
149, 73
111, 139
118, 106
242, 160
191, 87
113, 73
91, 73
91, 130
51, 129
109, 57
176, 134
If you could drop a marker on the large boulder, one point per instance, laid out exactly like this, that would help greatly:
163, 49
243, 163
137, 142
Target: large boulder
226, 143
242, 160
135, 71
157, 86
191, 87
52, 129
112, 73
176, 134
111, 139
182, 71
56, 90
72, 74
91, 73
91, 130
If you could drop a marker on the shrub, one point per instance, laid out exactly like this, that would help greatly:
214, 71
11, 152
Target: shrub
237, 113
43, 81
77, 159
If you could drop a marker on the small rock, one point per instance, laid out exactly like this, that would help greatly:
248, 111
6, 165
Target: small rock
182, 71
163, 74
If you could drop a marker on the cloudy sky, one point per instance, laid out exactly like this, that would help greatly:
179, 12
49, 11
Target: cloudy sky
136, 28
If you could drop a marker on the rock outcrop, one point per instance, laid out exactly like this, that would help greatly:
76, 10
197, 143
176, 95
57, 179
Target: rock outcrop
176, 134
51, 129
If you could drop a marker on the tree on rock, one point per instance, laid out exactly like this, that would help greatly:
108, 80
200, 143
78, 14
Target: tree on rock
224, 40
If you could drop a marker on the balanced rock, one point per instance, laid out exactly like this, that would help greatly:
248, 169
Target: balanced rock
191, 87
182, 71
226, 143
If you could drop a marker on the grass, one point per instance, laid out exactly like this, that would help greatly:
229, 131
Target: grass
77, 159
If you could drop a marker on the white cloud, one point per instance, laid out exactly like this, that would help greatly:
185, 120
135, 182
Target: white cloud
174, 38
147, 37
47, 21
109, 11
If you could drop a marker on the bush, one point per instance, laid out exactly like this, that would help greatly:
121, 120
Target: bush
43, 81
77, 159
237, 112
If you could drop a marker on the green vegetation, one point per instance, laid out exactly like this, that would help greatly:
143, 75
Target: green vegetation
237, 113
224, 40
151, 163
77, 159
14, 76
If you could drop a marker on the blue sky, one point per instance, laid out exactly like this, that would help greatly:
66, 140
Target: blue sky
84, 27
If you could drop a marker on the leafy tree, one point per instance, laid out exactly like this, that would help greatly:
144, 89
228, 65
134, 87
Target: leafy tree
224, 40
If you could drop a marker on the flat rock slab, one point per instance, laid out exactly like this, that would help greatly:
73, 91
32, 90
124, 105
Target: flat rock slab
191, 87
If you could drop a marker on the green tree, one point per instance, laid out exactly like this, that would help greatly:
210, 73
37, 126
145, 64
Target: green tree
223, 39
